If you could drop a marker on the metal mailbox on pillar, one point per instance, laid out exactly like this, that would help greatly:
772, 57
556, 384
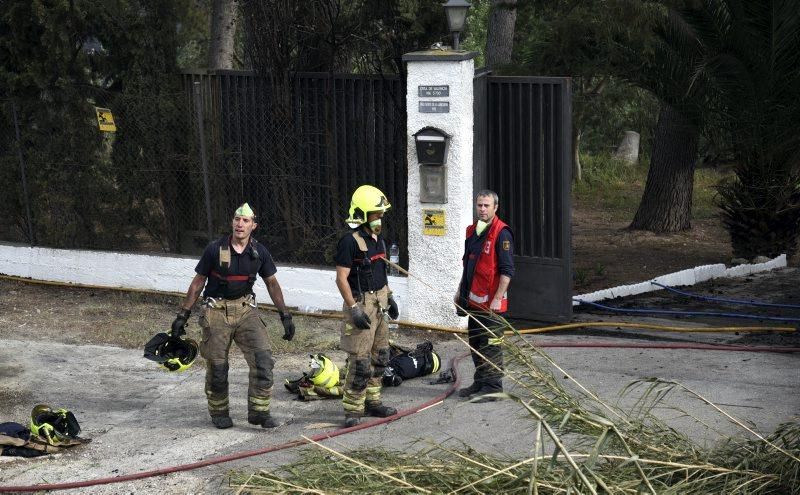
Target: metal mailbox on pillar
432, 146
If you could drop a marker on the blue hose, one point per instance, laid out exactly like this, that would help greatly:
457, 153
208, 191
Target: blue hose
686, 313
722, 299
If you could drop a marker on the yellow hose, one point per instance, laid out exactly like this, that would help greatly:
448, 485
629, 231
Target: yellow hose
438, 328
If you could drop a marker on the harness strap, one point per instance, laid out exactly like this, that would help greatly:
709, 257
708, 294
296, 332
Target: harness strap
222, 273
230, 278
362, 244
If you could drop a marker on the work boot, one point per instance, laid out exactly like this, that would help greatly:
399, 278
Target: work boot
351, 420
265, 420
222, 422
484, 393
379, 410
471, 390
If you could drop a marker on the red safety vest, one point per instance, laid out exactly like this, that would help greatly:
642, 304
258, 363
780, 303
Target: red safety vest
486, 278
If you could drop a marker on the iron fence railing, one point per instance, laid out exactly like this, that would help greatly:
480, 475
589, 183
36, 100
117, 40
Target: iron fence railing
179, 162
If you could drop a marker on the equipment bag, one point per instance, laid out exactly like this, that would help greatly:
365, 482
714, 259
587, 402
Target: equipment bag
406, 364
17, 441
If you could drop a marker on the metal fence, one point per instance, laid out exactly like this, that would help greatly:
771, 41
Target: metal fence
168, 181
525, 125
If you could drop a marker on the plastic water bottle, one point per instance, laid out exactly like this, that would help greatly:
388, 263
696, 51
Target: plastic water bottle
394, 257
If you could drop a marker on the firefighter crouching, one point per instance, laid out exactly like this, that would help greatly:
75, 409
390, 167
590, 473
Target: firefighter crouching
228, 270
361, 278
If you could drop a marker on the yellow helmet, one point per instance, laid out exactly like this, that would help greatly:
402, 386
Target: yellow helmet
324, 372
366, 199
56, 426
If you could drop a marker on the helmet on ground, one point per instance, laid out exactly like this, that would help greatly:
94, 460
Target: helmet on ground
435, 361
324, 372
366, 199
172, 353
56, 426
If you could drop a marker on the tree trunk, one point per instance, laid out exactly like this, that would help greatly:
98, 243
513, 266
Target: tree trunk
577, 172
224, 14
500, 34
666, 205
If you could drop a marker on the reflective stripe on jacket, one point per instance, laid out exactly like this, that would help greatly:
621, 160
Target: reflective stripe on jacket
486, 277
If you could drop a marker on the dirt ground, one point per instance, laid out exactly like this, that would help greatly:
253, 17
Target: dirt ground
606, 254
81, 349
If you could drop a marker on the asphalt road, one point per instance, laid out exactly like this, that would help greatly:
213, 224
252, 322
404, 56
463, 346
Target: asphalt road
140, 418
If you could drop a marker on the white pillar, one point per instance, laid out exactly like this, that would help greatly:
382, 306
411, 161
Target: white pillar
440, 80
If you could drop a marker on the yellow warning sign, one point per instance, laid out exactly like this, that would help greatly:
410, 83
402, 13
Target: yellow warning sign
433, 222
105, 121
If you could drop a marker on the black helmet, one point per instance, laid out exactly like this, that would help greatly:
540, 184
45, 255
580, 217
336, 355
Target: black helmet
172, 353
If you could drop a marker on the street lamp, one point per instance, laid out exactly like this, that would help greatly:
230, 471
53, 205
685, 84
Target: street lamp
456, 11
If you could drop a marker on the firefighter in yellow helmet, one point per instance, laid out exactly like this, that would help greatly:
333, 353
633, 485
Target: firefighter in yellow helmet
361, 278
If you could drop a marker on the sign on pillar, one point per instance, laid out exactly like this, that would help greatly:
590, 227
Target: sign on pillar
440, 204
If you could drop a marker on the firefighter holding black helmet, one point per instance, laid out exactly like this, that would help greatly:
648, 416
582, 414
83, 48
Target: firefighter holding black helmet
228, 270
361, 278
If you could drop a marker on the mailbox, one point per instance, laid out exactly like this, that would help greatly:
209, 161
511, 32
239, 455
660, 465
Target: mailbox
432, 146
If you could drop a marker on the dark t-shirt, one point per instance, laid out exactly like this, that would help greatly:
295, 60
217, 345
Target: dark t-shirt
241, 264
472, 249
348, 254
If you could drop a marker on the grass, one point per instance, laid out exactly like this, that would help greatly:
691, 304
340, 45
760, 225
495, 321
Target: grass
581, 445
616, 188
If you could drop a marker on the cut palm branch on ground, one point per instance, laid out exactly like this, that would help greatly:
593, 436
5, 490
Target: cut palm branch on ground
580, 444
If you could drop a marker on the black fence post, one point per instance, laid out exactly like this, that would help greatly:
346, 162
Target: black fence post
198, 107
31, 236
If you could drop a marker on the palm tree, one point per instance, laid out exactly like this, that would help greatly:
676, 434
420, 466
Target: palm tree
670, 73
729, 66
754, 65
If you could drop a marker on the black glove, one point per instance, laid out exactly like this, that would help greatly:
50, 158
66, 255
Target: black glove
179, 325
360, 319
288, 326
394, 311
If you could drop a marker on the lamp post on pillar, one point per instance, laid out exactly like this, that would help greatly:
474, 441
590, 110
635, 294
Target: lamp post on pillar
456, 11
440, 126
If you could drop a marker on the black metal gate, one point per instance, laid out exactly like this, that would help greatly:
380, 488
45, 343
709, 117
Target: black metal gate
298, 152
522, 151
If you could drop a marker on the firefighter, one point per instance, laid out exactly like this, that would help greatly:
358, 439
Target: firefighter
361, 278
488, 267
228, 270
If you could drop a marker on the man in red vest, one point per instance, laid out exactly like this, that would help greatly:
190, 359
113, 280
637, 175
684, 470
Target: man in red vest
488, 268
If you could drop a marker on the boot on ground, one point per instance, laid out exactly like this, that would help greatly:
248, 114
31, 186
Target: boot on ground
222, 422
471, 390
265, 420
379, 410
484, 395
351, 420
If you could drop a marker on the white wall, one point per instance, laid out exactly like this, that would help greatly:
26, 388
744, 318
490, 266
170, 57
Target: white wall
307, 289
437, 259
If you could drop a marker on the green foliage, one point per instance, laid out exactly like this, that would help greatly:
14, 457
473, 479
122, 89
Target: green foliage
339, 35
580, 444
586, 41
613, 186
193, 32
475, 34
733, 65
53, 78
